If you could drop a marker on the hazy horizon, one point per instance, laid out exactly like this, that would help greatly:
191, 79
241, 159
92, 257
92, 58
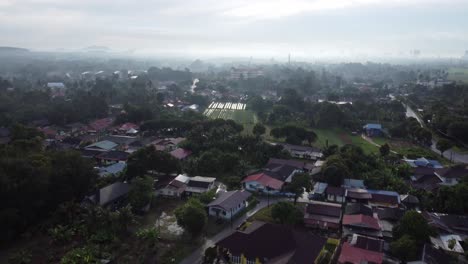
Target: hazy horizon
321, 28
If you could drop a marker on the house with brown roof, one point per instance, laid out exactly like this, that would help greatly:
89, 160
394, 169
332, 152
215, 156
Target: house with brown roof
358, 196
180, 153
228, 204
175, 188
323, 215
270, 243
381, 198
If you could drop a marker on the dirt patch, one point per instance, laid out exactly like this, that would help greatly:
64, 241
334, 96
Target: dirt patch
345, 138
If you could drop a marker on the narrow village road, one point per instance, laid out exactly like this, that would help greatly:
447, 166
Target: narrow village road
197, 256
449, 154
368, 139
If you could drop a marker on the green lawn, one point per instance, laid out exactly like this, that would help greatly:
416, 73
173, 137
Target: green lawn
458, 74
330, 135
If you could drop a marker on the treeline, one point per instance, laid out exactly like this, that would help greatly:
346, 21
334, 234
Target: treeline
34, 182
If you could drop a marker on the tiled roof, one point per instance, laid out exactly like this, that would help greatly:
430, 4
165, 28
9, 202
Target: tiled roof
270, 242
354, 255
360, 220
322, 208
265, 180
231, 199
104, 145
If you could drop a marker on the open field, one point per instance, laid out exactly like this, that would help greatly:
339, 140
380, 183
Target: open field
458, 74
233, 111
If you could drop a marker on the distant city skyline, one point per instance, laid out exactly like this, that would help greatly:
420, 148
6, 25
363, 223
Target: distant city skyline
261, 28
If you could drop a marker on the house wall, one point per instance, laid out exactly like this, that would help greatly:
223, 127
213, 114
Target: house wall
243, 260
335, 198
171, 192
320, 224
254, 186
212, 211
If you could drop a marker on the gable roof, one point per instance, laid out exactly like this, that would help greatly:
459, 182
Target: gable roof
448, 222
274, 163
358, 194
393, 214
384, 197
114, 155
231, 199
105, 145
361, 220
200, 182
409, 198
453, 172
355, 255
367, 243
265, 180
273, 242
112, 169
101, 124
323, 208
358, 208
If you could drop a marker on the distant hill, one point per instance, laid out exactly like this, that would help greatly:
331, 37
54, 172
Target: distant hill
12, 50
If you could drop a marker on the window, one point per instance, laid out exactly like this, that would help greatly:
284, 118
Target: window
235, 259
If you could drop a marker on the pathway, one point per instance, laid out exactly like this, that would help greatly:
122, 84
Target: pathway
368, 139
197, 256
449, 154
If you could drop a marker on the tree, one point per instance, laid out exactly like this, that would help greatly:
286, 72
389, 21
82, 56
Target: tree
299, 182
443, 145
210, 255
384, 150
414, 225
143, 160
191, 216
258, 130
405, 248
141, 192
286, 213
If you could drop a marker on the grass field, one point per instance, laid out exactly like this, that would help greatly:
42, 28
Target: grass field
244, 117
340, 137
458, 74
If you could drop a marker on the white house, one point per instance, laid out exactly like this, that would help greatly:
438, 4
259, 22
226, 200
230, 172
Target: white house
228, 204
175, 188
199, 184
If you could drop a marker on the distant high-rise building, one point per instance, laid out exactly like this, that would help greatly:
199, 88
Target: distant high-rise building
415, 53
245, 73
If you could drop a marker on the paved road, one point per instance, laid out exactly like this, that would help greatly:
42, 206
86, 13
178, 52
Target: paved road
449, 154
197, 256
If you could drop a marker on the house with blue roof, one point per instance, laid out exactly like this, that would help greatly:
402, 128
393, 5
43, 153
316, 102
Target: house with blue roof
373, 130
424, 163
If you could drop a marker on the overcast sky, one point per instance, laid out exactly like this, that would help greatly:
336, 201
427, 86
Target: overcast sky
240, 27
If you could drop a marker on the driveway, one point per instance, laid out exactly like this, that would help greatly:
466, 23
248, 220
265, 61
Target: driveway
197, 256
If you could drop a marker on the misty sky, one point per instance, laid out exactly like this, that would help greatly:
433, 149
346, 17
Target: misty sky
240, 27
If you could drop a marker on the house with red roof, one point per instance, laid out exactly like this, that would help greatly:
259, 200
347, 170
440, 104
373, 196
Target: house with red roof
355, 255
100, 125
361, 224
261, 182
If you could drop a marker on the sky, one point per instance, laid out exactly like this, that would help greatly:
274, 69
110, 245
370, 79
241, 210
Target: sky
259, 28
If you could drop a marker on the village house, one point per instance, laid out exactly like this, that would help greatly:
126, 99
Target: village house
228, 204
423, 162
100, 125
360, 250
358, 196
318, 191
264, 243
335, 194
102, 146
198, 184
175, 188
112, 170
358, 208
113, 156
373, 130
409, 201
384, 198
261, 182
166, 144
361, 224
388, 219
112, 196
323, 215
303, 152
